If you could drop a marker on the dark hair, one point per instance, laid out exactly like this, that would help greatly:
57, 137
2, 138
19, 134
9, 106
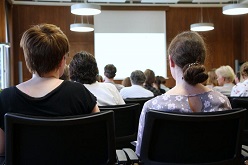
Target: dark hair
137, 77
150, 76
110, 70
188, 51
83, 68
44, 47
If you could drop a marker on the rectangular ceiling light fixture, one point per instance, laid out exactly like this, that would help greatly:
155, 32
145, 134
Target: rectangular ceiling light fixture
159, 1
106, 1
211, 1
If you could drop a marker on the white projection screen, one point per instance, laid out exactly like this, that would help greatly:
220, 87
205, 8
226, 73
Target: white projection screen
131, 40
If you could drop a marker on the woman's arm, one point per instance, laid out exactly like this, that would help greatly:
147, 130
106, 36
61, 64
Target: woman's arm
95, 109
2, 142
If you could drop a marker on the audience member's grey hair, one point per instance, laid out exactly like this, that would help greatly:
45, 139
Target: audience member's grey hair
137, 77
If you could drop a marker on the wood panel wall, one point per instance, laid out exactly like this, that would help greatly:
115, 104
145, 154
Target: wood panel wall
2, 21
227, 42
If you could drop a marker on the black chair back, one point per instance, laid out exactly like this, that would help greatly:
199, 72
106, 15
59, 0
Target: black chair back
141, 101
126, 123
242, 102
194, 138
85, 139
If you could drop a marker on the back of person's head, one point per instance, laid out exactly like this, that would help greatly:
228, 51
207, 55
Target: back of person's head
244, 70
150, 76
188, 51
83, 68
110, 71
126, 82
99, 78
162, 79
66, 74
212, 78
226, 72
137, 77
44, 47
158, 81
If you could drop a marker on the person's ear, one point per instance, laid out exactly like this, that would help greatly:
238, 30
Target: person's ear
172, 64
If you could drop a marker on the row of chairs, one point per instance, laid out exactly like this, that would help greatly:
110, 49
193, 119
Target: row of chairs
169, 138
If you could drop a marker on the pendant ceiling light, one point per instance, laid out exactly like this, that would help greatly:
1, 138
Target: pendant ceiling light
81, 27
84, 25
235, 9
202, 26
85, 9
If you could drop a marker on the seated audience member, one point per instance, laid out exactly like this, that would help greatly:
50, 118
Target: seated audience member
225, 78
136, 90
83, 69
241, 89
158, 84
212, 79
163, 84
126, 82
150, 82
109, 73
99, 78
186, 57
65, 75
45, 49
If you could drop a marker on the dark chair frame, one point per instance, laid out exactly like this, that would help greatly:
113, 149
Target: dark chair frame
168, 141
126, 123
66, 137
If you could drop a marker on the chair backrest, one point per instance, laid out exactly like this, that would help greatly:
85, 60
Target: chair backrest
141, 101
126, 122
212, 138
85, 139
242, 102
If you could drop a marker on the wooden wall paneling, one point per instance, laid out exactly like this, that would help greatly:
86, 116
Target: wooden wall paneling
2, 21
244, 38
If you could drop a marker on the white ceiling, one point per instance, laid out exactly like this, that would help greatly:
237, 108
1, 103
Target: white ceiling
172, 3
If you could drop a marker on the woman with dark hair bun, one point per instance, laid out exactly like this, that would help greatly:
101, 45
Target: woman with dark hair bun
187, 53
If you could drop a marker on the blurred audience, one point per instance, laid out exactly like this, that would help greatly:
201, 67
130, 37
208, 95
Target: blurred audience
109, 73
150, 82
158, 84
136, 90
126, 82
163, 84
187, 53
83, 69
241, 88
212, 79
225, 78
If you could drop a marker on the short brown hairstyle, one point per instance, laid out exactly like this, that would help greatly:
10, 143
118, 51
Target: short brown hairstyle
110, 71
44, 47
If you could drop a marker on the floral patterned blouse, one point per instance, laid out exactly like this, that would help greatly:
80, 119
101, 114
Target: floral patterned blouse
240, 90
211, 101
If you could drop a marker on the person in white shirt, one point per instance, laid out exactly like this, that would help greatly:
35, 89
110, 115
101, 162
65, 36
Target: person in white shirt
109, 73
136, 90
225, 78
83, 69
241, 88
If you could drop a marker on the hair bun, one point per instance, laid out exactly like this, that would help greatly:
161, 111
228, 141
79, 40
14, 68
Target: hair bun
194, 73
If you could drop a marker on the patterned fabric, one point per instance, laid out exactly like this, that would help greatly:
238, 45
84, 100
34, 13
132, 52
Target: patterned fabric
240, 90
211, 101
155, 91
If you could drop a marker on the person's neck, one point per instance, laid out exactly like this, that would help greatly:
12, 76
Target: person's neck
50, 75
108, 80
